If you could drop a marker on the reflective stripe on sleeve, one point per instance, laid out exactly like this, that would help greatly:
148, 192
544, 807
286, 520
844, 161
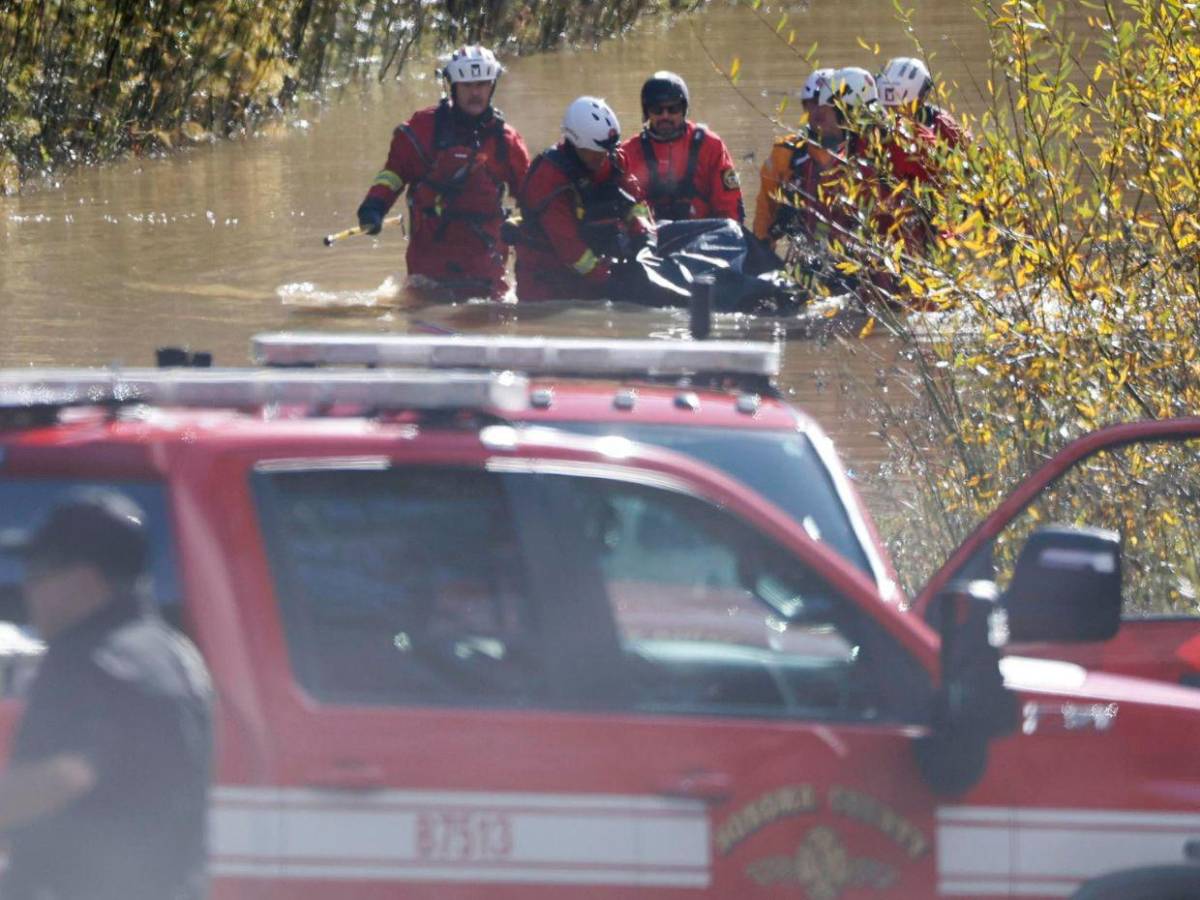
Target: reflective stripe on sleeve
389, 180
639, 210
586, 263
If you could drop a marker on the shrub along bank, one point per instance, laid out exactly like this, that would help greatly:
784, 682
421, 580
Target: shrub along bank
1069, 262
87, 80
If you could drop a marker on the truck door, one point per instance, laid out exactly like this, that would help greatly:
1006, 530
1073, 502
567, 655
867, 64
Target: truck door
515, 683
425, 745
771, 706
1141, 480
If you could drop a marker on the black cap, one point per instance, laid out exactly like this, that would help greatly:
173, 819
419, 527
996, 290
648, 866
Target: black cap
100, 527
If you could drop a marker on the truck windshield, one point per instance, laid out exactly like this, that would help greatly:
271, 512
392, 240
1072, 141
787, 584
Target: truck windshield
782, 466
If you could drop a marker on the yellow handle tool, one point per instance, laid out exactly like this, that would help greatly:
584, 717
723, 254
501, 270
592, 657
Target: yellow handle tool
330, 239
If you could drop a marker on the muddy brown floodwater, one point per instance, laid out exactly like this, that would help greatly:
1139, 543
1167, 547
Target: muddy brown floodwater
218, 242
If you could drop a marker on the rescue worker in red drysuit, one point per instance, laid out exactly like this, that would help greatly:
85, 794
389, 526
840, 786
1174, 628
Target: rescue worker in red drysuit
803, 190
582, 213
823, 187
686, 170
904, 87
456, 160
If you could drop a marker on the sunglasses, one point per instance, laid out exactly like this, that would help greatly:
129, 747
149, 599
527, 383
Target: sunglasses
670, 109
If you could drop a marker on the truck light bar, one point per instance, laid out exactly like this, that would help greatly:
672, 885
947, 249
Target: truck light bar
258, 387
532, 355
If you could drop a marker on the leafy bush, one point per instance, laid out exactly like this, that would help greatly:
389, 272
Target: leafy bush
82, 80
1074, 262
1065, 277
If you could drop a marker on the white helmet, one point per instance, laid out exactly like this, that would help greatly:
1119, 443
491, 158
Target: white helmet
472, 63
590, 124
903, 81
814, 82
851, 86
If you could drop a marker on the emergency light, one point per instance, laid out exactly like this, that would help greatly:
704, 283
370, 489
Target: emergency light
532, 355
22, 388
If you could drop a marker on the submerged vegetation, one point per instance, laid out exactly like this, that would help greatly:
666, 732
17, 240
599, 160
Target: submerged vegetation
1067, 265
85, 80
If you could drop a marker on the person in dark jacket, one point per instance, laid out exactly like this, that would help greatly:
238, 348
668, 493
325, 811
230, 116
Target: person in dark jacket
106, 793
456, 160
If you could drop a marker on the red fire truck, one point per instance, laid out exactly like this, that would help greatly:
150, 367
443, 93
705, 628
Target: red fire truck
750, 433
458, 657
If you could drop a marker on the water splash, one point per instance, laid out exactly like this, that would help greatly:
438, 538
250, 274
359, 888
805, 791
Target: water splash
307, 295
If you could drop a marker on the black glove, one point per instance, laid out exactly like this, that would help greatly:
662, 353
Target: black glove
370, 215
510, 231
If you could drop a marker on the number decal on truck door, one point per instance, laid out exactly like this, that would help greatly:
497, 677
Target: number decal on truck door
464, 835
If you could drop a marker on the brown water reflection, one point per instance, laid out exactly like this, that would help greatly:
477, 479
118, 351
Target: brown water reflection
219, 242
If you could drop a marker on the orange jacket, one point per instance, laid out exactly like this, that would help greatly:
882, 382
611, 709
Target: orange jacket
802, 185
801, 191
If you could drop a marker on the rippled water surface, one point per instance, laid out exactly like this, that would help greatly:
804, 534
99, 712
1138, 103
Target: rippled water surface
218, 242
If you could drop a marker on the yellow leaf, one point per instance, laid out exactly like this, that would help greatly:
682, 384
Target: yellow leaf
867, 328
735, 68
863, 44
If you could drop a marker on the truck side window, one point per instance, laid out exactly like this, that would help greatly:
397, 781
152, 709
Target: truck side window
400, 587
713, 618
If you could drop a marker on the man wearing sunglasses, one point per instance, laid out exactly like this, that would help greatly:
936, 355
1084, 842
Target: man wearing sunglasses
686, 169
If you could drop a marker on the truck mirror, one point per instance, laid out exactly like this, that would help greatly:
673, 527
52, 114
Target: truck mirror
971, 705
1066, 586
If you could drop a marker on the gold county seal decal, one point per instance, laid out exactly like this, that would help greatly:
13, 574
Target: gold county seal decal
729, 178
823, 867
